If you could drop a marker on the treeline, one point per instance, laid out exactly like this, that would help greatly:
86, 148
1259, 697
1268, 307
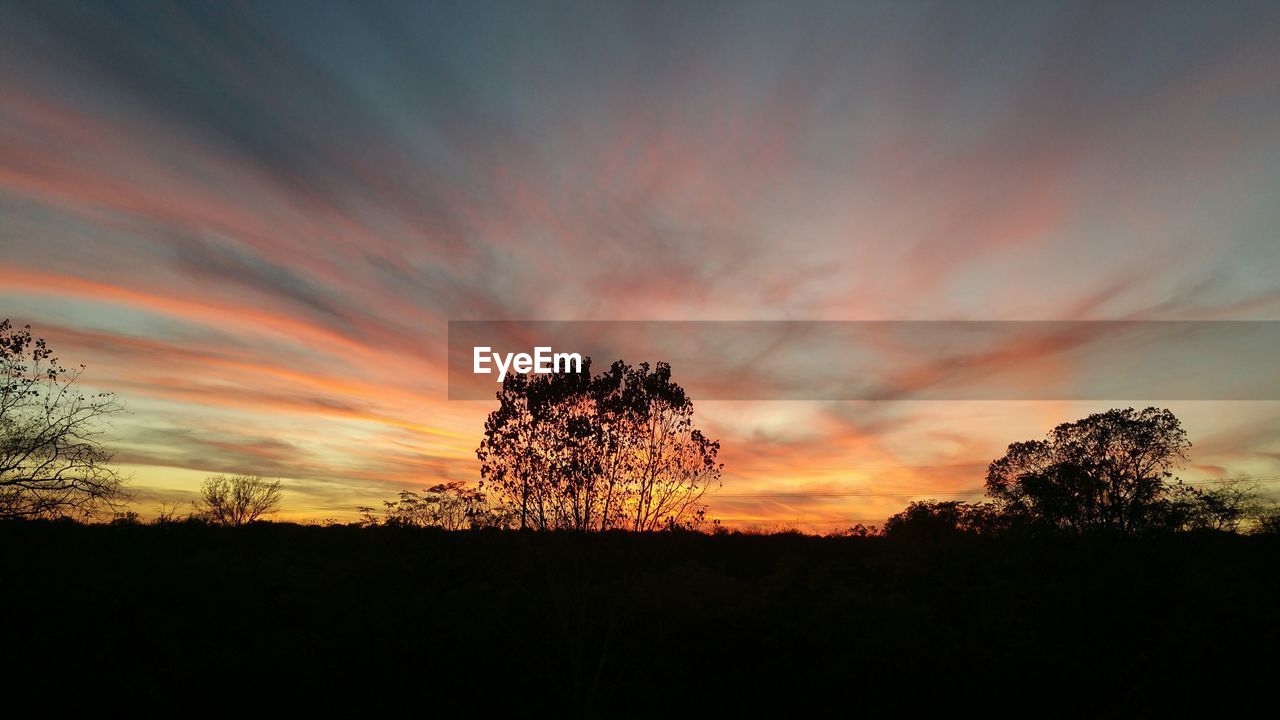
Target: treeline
625, 624
1109, 472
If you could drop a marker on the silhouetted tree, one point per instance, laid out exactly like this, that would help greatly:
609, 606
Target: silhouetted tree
450, 506
1109, 470
1268, 521
52, 460
858, 530
171, 515
673, 463
618, 450
237, 500
1223, 508
520, 443
935, 520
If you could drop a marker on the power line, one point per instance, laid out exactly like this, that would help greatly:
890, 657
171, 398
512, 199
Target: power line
1220, 481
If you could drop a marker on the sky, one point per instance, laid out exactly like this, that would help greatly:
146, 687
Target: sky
253, 220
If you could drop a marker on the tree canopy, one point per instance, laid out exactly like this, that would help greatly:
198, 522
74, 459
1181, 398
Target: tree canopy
1109, 470
618, 450
52, 459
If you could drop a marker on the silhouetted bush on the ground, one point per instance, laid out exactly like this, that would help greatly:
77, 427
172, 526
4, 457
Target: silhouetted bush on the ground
184, 615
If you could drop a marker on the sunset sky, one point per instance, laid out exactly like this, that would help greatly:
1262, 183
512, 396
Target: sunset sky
253, 221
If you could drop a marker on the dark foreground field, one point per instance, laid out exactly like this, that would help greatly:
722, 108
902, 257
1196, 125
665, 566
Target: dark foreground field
180, 618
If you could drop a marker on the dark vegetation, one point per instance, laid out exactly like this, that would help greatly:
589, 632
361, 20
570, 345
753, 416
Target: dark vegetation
624, 624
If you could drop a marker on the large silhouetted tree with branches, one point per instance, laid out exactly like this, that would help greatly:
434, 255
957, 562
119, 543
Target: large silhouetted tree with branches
1109, 470
615, 450
52, 459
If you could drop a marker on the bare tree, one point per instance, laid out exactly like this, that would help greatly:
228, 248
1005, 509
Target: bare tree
1228, 507
237, 500
52, 460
